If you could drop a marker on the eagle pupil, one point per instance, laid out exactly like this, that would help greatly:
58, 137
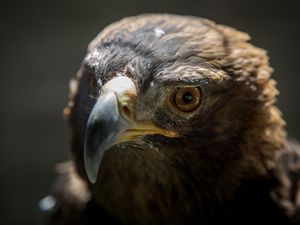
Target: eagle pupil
187, 97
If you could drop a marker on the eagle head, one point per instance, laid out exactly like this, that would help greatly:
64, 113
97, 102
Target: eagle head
172, 112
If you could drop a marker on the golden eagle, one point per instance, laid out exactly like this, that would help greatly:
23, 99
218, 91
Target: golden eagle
173, 122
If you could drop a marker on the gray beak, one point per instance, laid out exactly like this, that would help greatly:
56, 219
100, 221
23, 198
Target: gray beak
113, 121
103, 126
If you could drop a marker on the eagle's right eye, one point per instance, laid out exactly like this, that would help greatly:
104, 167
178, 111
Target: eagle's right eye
93, 86
187, 99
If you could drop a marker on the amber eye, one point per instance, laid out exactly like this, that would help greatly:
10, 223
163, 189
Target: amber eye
187, 99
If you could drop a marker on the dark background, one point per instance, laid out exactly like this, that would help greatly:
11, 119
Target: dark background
42, 45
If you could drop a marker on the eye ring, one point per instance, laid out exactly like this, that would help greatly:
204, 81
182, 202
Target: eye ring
187, 99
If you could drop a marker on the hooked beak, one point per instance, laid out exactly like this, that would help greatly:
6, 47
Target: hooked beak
112, 121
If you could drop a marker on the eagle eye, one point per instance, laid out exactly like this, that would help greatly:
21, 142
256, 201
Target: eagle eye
187, 99
93, 86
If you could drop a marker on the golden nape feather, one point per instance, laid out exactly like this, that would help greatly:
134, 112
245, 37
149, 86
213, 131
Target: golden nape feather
173, 121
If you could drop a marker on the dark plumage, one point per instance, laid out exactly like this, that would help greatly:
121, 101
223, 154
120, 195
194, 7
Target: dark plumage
178, 115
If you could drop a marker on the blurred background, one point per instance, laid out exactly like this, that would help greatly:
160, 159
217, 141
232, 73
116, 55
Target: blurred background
42, 45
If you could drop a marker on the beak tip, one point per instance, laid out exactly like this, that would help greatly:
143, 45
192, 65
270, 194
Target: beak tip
90, 171
92, 179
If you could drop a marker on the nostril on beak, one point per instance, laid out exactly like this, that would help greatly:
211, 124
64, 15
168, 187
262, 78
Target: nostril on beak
126, 111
